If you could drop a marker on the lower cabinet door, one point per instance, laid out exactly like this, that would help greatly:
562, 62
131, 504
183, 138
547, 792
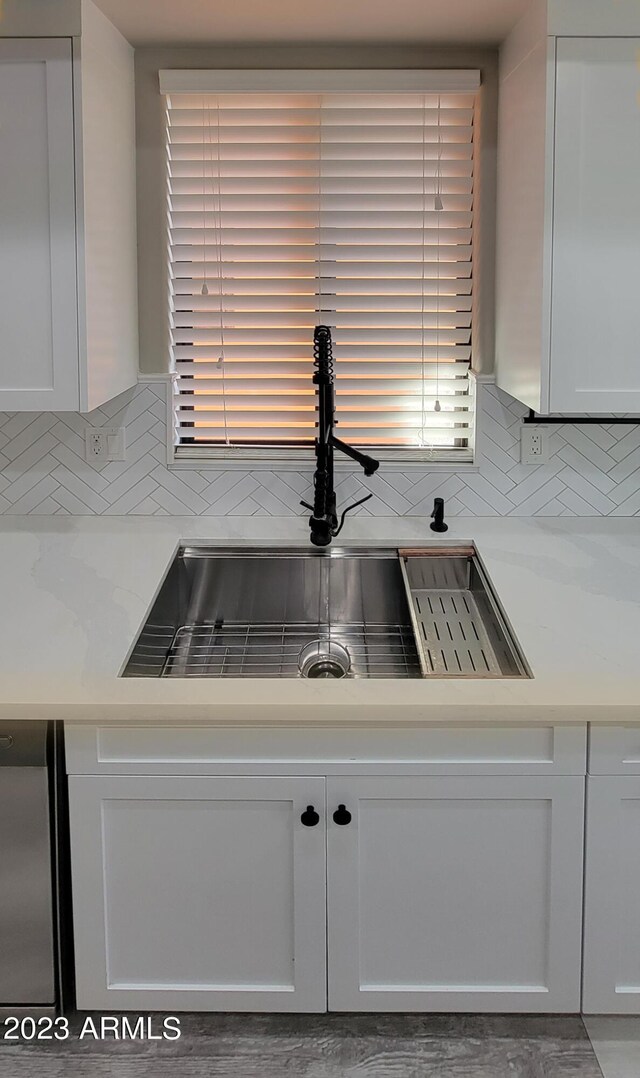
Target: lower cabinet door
455, 894
611, 983
199, 893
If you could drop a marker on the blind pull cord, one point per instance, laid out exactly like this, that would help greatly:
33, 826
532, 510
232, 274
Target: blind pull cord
438, 207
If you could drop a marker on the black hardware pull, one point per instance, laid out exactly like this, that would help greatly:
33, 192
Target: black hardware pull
342, 816
310, 817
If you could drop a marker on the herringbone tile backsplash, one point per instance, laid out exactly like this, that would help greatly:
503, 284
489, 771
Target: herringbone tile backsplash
592, 471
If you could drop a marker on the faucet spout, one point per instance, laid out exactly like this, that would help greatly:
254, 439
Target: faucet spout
368, 464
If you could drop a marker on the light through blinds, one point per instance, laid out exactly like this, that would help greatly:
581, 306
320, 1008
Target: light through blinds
353, 209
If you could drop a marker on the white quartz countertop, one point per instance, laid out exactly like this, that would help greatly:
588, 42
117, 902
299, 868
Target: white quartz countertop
75, 592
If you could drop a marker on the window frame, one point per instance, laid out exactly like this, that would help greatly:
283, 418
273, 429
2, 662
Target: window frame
432, 80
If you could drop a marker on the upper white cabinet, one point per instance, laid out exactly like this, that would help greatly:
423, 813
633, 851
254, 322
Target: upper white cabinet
38, 301
68, 309
595, 329
569, 212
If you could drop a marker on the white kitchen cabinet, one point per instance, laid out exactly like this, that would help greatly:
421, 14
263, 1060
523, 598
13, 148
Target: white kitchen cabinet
569, 213
198, 893
451, 878
68, 308
38, 302
455, 894
595, 329
612, 883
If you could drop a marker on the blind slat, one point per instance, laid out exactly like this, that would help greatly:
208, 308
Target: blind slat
439, 371
184, 205
455, 280
190, 309
208, 321
374, 261
287, 352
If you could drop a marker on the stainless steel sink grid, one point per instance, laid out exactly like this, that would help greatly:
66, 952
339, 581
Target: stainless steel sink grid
460, 628
256, 613
236, 650
325, 614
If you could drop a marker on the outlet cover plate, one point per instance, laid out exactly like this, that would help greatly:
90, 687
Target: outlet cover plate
103, 444
534, 444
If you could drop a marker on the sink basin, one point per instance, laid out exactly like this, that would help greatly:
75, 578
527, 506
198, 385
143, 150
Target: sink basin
324, 614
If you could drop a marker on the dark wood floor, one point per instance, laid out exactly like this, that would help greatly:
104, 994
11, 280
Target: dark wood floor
322, 1046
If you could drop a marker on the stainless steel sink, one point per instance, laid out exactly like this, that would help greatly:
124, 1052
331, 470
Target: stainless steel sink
326, 613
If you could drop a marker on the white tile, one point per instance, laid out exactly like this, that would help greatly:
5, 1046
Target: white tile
576, 504
16, 488
482, 487
628, 441
128, 502
181, 491
505, 460
447, 488
92, 501
539, 499
576, 437
37, 494
80, 468
474, 504
598, 433
498, 434
38, 426
586, 490
244, 486
166, 499
601, 480
624, 468
536, 477
598, 470
30, 457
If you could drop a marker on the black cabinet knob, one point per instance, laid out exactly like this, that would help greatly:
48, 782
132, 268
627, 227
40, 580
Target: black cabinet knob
310, 817
342, 816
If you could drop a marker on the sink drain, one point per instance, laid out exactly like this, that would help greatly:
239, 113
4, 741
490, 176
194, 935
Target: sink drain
324, 658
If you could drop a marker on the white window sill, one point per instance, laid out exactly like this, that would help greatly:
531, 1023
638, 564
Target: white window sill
296, 462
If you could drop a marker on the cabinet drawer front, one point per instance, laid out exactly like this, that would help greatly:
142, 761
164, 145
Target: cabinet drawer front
231, 749
614, 750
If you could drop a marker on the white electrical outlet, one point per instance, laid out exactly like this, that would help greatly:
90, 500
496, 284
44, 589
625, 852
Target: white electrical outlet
534, 445
104, 443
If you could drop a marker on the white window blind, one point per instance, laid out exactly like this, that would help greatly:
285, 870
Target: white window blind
353, 209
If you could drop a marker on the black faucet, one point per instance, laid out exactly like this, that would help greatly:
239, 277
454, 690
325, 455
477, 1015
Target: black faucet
324, 522
438, 516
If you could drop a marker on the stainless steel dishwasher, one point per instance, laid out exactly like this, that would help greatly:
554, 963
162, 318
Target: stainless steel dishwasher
28, 942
